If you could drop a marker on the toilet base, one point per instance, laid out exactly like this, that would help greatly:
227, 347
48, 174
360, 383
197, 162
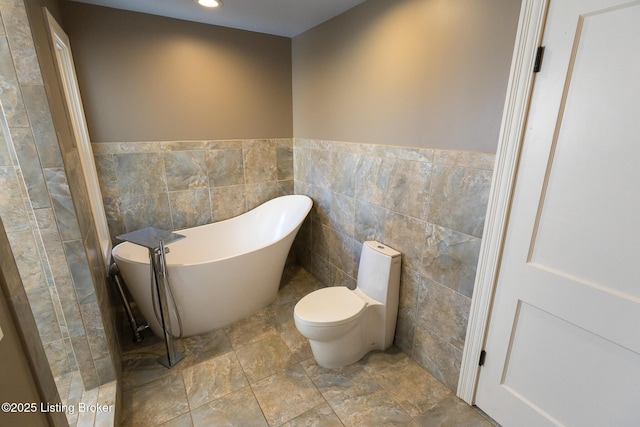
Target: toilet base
346, 350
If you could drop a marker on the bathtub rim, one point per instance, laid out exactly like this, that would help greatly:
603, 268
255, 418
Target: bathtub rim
116, 256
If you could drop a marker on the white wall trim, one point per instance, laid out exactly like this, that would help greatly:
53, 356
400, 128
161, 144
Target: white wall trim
66, 69
528, 38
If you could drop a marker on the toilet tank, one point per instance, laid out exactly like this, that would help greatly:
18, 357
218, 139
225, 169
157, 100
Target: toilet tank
379, 272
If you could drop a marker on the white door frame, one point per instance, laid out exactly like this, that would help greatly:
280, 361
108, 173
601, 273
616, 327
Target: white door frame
66, 70
528, 38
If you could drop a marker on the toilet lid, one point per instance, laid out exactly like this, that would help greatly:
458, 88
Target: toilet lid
329, 306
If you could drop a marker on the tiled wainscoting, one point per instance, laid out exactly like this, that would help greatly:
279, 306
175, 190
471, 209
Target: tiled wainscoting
428, 204
174, 185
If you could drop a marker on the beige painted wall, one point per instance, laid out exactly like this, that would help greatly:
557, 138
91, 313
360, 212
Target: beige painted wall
426, 73
150, 78
18, 382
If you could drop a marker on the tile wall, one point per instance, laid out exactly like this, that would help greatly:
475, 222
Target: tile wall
429, 204
173, 185
48, 236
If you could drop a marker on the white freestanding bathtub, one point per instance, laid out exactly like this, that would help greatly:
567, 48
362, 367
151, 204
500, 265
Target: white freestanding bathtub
221, 272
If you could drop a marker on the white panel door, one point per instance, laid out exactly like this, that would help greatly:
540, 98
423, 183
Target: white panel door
563, 346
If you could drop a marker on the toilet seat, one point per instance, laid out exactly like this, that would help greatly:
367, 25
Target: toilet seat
331, 306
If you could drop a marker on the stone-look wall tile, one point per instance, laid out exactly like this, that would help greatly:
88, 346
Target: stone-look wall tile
284, 160
12, 209
372, 176
56, 352
2, 31
467, 159
106, 371
260, 192
30, 165
460, 197
344, 173
62, 204
115, 219
44, 314
321, 203
57, 306
134, 147
437, 356
369, 222
140, 173
70, 308
260, 161
95, 330
301, 163
342, 214
405, 234
10, 94
320, 168
106, 169
408, 188
185, 170
405, 324
321, 240
321, 269
224, 167
6, 158
233, 144
443, 311
35, 100
409, 289
87, 368
451, 258
146, 210
190, 208
341, 250
394, 195
25, 251
18, 32
170, 146
227, 202
45, 219
73, 363
285, 188
77, 261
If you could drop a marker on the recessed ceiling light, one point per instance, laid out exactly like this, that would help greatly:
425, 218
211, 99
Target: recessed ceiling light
209, 3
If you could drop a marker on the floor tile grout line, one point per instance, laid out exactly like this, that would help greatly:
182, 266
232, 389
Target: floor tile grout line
374, 367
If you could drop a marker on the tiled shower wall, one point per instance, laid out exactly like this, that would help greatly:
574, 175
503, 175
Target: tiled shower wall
429, 204
41, 221
173, 185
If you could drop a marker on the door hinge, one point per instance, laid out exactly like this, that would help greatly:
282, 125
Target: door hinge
537, 65
483, 355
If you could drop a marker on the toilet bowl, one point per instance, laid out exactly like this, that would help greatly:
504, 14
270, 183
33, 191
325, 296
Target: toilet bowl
343, 325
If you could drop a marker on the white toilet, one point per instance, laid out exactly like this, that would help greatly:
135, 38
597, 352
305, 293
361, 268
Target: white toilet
343, 325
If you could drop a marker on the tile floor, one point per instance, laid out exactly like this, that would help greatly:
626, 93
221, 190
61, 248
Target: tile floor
260, 372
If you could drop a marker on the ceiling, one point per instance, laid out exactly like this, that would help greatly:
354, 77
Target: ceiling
286, 18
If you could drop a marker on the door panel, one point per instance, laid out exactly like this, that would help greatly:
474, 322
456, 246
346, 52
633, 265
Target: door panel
563, 346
